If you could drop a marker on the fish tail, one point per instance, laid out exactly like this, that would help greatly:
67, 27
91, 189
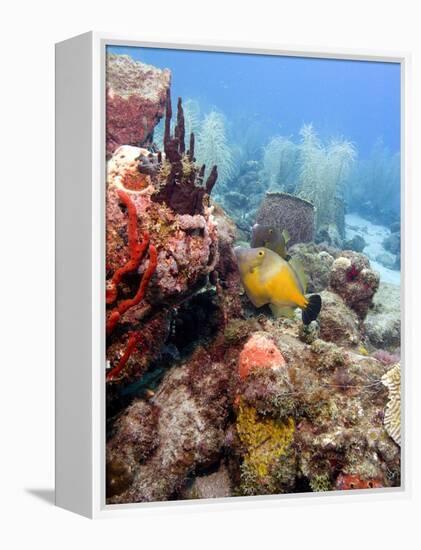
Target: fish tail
312, 309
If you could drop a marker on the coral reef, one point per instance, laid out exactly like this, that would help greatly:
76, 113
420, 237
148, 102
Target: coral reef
288, 212
392, 417
334, 396
135, 101
346, 482
208, 396
236, 198
352, 278
386, 357
392, 243
157, 207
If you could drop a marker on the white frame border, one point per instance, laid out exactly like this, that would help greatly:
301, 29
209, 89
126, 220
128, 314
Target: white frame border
101, 510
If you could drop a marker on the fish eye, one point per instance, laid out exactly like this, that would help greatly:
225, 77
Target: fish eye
261, 253
270, 231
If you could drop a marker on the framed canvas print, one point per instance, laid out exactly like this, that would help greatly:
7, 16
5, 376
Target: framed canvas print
230, 269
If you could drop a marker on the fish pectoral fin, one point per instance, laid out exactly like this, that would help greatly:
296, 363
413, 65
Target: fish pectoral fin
286, 236
282, 311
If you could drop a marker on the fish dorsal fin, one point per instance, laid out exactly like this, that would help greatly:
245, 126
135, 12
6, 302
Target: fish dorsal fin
298, 269
286, 236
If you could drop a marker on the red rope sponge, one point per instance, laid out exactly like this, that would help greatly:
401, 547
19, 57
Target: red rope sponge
134, 339
136, 249
125, 305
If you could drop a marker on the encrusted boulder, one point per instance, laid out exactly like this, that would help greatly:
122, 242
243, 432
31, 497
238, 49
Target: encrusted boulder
352, 278
386, 259
357, 243
392, 243
214, 485
329, 234
383, 322
191, 407
316, 263
338, 323
135, 438
135, 100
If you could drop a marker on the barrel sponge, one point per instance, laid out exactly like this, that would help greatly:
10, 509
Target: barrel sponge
392, 416
289, 212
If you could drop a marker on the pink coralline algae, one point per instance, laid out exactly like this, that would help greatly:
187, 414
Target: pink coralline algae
346, 482
259, 352
386, 357
352, 278
135, 100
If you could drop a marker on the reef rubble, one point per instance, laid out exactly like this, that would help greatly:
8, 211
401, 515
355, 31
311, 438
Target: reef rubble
135, 101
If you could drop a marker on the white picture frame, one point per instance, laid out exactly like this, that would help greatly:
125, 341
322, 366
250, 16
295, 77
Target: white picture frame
80, 275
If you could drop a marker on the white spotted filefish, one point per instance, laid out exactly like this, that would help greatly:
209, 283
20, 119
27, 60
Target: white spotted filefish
269, 279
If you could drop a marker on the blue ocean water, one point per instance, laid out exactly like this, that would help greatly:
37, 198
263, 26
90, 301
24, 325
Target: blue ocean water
356, 104
356, 99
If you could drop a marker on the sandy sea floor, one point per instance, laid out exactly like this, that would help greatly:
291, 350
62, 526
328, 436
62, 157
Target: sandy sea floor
374, 236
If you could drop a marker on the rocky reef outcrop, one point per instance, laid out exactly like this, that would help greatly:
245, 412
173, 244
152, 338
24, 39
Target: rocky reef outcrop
161, 245
135, 101
157, 445
383, 322
314, 421
352, 278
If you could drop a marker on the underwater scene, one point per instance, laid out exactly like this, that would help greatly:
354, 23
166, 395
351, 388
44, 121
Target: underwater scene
253, 325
